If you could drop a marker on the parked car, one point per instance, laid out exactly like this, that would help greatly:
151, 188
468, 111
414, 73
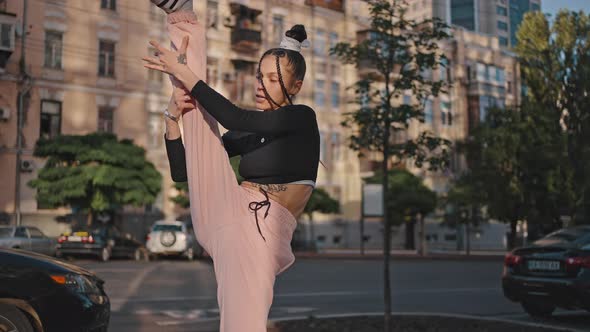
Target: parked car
101, 241
27, 238
173, 238
552, 272
41, 293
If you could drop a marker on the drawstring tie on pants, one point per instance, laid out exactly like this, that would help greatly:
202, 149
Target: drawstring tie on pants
255, 206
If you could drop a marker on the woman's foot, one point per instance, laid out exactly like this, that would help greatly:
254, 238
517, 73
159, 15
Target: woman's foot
171, 6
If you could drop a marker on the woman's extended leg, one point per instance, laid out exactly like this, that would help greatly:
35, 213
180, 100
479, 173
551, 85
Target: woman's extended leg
213, 188
245, 266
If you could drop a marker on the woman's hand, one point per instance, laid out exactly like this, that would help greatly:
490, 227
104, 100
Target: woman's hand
173, 63
182, 100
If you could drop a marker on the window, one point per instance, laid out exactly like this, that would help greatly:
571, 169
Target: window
535, 7
503, 41
500, 77
445, 112
335, 146
321, 238
502, 11
50, 125
428, 116
450, 237
323, 146
482, 72
7, 36
106, 58
444, 69
463, 13
407, 100
278, 26
36, 233
333, 39
319, 93
502, 26
105, 119
212, 16
336, 239
319, 47
108, 4
212, 71
21, 232
335, 94
53, 49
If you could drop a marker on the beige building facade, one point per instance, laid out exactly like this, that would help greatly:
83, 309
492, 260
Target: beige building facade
84, 60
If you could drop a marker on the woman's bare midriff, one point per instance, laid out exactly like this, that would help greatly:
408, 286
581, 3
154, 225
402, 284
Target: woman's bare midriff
294, 197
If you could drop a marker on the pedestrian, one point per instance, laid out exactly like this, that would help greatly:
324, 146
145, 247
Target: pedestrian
279, 144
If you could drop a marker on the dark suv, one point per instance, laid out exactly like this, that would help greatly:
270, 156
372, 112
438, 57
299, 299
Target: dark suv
553, 272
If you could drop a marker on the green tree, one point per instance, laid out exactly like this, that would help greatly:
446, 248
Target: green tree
319, 201
409, 200
555, 65
94, 173
400, 52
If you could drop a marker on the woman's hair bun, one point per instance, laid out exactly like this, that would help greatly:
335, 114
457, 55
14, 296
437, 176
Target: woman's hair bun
297, 32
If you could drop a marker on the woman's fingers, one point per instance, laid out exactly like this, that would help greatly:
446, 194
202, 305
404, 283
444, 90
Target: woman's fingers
157, 46
184, 45
155, 61
156, 67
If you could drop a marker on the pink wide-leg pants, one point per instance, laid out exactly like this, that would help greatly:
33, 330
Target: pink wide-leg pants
245, 264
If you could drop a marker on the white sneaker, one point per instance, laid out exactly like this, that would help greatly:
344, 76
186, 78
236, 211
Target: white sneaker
170, 6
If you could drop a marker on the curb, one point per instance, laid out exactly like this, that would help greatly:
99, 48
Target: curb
305, 255
272, 322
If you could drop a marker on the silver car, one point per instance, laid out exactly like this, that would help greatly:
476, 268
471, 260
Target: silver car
27, 238
173, 238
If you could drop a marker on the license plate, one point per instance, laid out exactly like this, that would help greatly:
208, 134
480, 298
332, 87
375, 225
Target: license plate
74, 238
543, 265
81, 233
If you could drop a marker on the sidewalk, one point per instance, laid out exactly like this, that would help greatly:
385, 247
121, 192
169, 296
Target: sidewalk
401, 254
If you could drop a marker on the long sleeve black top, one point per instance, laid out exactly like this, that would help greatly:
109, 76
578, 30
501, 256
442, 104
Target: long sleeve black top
277, 146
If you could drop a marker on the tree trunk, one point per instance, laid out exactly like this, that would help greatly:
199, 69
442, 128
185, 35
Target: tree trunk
386, 234
422, 230
512, 235
89, 219
410, 234
312, 233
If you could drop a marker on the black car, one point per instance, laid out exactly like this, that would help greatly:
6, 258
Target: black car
553, 272
102, 242
41, 293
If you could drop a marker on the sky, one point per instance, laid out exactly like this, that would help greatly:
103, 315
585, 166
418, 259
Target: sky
553, 6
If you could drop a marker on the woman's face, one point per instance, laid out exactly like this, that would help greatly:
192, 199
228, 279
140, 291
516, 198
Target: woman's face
270, 78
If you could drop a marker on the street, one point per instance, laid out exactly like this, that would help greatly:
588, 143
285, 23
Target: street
175, 295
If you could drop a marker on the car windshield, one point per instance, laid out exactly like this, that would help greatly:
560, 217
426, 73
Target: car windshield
5, 232
167, 228
570, 237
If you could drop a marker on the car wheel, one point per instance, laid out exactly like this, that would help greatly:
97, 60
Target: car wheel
12, 319
190, 254
105, 254
538, 309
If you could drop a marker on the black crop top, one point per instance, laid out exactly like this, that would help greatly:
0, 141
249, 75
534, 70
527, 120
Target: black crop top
279, 146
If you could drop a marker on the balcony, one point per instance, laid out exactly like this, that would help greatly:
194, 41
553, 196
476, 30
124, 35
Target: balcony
246, 36
245, 40
337, 5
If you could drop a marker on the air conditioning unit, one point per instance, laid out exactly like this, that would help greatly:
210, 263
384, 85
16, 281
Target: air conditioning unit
4, 113
27, 166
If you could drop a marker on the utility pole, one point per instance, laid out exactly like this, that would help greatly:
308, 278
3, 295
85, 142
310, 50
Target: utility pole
23, 86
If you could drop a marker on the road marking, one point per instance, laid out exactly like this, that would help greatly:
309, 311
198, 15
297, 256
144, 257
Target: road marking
307, 294
132, 289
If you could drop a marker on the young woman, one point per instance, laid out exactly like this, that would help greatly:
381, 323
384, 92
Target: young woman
279, 144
